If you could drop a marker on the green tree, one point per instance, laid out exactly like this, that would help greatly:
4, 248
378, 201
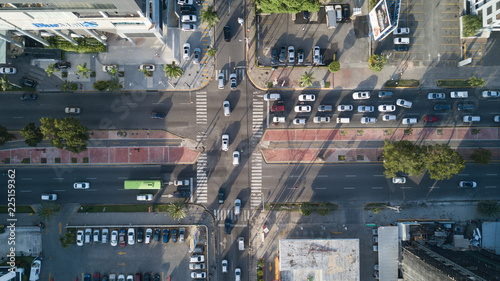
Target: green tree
306, 80
306, 209
67, 133
83, 70
172, 70
32, 134
146, 72
442, 162
47, 210
334, 66
481, 156
476, 82
177, 210
211, 52
112, 85
323, 209
113, 71
5, 136
50, 69
488, 208
4, 83
209, 16
377, 62
288, 6
67, 86
471, 25
403, 156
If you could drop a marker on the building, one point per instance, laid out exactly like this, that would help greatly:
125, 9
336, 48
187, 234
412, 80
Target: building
489, 10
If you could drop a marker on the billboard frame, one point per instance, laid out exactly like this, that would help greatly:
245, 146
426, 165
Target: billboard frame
380, 25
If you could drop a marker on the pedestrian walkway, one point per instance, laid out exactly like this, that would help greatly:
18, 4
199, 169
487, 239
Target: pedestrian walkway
201, 108
106, 147
256, 157
356, 144
221, 215
201, 192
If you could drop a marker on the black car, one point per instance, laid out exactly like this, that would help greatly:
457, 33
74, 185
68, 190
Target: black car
274, 56
28, 82
221, 196
140, 235
465, 106
147, 276
156, 277
442, 106
165, 236
306, 15
62, 65
28, 97
86, 277
283, 54
182, 194
227, 33
346, 12
384, 95
401, 48
157, 235
173, 235
188, 10
105, 278
158, 115
227, 225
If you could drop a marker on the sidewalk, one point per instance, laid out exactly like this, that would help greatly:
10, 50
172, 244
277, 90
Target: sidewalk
310, 145
107, 147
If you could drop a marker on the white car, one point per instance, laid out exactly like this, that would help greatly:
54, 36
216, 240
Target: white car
388, 117
225, 142
316, 55
221, 81
104, 235
72, 110
88, 235
188, 27
404, 103
368, 120
148, 67
130, 277
279, 119
227, 108
79, 237
436, 96
112, 277
344, 107
188, 18
232, 79
386, 108
319, 119
144, 197
401, 41
299, 121
195, 266
236, 158
96, 235
197, 258
366, 108
491, 94
237, 273
399, 180
402, 31
291, 54
181, 182
496, 118
302, 108
114, 238
361, 95
49, 197
186, 51
409, 121
81, 185
272, 97
307, 97
199, 274
185, 2
149, 234
224, 266
8, 70
131, 236
237, 206
470, 118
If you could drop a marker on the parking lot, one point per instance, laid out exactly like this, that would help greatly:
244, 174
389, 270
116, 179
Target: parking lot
167, 259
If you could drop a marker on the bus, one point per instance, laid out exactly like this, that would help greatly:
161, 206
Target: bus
147, 184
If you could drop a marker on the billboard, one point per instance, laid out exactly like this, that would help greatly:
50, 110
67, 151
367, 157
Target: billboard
379, 19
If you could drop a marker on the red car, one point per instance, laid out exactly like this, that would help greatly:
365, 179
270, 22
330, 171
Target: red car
97, 276
431, 118
121, 238
278, 107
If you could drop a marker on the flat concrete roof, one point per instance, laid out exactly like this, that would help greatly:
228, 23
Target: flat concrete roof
321, 259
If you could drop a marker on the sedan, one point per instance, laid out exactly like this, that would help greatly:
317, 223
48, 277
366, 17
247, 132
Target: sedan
384, 95
344, 107
274, 56
62, 65
81, 185
409, 121
165, 236
197, 54
131, 236
8, 70
79, 237
466, 184
227, 33
224, 266
277, 108
188, 10
402, 31
439, 107
121, 238
386, 108
324, 107
436, 96
316, 55
431, 118
300, 56
232, 78
368, 120
221, 80
401, 41
319, 119
361, 95
188, 27
28, 82
173, 234
225, 142
366, 108
28, 97
157, 235
299, 121
114, 238
307, 97
291, 54
388, 117
72, 110
157, 115
282, 54
140, 235
237, 273
302, 108
227, 226
199, 274
491, 94
188, 18
404, 103
221, 196
186, 51
399, 180
147, 67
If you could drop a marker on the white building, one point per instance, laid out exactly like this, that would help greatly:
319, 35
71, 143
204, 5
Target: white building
490, 12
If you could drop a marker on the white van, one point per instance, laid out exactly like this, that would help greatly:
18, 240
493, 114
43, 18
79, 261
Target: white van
277, 119
338, 12
343, 120
227, 108
459, 95
272, 97
241, 243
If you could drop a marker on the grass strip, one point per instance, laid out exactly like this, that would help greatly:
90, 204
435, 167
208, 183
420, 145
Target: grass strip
19, 209
453, 83
402, 83
113, 208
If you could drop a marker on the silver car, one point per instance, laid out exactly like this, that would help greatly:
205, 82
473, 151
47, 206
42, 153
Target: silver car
344, 107
81, 185
302, 108
436, 96
368, 120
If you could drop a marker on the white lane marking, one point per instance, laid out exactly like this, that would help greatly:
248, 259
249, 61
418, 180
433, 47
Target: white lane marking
322, 176
463, 175
490, 186
320, 187
491, 174
348, 187
58, 178
350, 176
377, 187
90, 189
25, 190
26, 179
17, 117
432, 187
59, 190
405, 187
379, 175
122, 178
90, 178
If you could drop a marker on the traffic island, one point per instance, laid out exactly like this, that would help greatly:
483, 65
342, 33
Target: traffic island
402, 84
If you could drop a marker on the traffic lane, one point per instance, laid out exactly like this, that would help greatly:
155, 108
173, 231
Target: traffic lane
228, 250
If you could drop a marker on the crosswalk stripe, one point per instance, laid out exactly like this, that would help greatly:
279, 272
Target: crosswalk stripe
256, 159
201, 108
221, 215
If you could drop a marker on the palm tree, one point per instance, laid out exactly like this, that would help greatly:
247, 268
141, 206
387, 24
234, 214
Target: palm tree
488, 208
113, 71
177, 210
50, 69
172, 70
114, 85
210, 17
306, 80
67, 86
83, 70
47, 210
4, 83
211, 52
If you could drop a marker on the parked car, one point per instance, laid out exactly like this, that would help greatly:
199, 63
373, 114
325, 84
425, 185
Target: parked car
121, 238
185, 2
96, 234
195, 266
401, 41
72, 110
221, 196
404, 103
440, 107
88, 235
282, 57
467, 184
291, 54
173, 235
344, 107
470, 118
323, 119
361, 95
368, 120
165, 236
401, 48
28, 97
277, 108
182, 233
28, 82
272, 97
388, 117
307, 97
300, 56
338, 11
188, 27
157, 115
227, 33
236, 158
465, 106
491, 94
324, 108
196, 55
149, 234
232, 78
409, 121
197, 258
79, 237
402, 31
81, 185
279, 119
302, 108
436, 96
186, 51
131, 236
225, 142
386, 108
188, 10
430, 118
188, 18
107, 68
316, 55
299, 121
147, 67
399, 180
383, 94
62, 65
459, 95
104, 235
366, 108
114, 238
274, 56
156, 235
